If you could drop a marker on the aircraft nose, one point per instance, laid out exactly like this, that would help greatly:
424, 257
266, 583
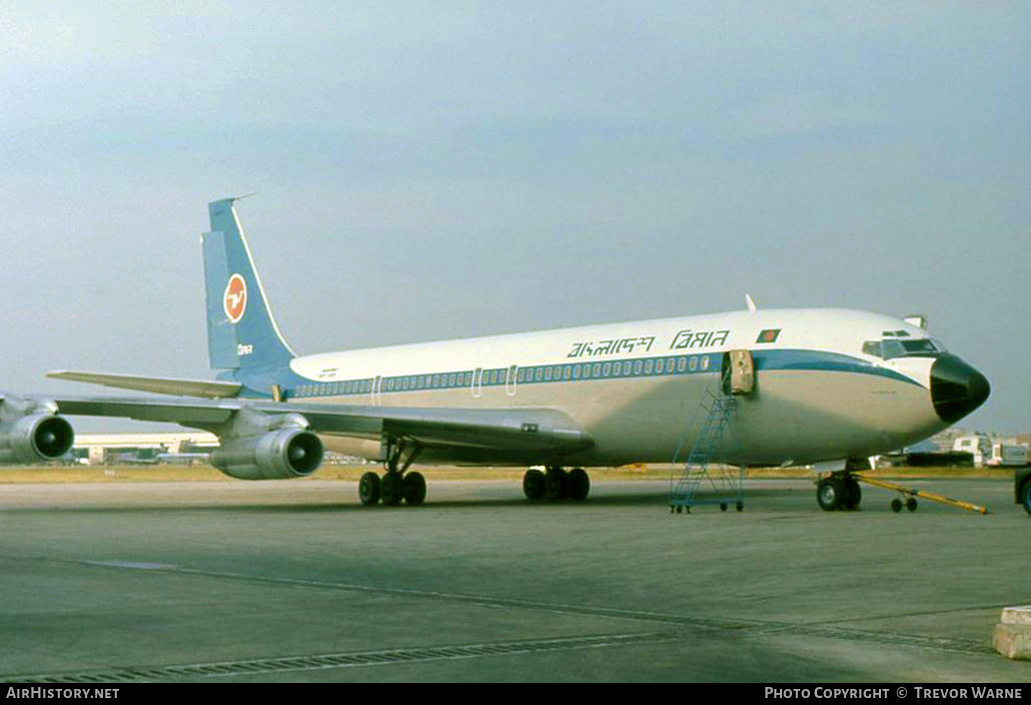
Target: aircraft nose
956, 388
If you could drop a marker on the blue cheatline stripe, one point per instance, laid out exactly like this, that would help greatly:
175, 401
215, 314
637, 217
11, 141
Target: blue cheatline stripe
296, 386
823, 362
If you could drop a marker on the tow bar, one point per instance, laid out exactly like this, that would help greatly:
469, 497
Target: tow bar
911, 494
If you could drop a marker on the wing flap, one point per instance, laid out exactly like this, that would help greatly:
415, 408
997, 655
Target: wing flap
196, 414
503, 429
516, 430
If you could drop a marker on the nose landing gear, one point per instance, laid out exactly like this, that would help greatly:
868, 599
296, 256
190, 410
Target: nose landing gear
841, 490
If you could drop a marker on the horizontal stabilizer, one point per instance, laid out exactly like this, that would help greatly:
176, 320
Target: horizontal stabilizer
204, 388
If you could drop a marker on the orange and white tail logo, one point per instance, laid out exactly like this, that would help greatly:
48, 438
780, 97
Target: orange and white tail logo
235, 299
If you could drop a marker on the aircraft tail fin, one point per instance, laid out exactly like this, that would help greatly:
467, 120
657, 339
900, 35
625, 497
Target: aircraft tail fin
242, 334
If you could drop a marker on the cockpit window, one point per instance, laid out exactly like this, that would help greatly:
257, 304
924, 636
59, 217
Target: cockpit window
872, 347
893, 347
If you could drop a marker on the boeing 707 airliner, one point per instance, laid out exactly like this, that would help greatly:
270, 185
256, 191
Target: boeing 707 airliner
812, 385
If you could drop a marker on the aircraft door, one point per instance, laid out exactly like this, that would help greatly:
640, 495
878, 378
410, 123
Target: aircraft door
377, 383
510, 383
738, 373
477, 388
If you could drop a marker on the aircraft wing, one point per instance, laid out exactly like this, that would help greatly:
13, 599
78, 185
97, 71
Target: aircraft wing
503, 429
203, 388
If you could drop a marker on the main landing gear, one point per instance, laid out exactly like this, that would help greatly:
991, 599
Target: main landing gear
397, 484
556, 483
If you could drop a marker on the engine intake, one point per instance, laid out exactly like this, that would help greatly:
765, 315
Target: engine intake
35, 437
283, 454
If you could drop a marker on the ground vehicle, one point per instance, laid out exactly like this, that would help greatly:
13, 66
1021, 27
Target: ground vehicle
1022, 487
1003, 454
977, 444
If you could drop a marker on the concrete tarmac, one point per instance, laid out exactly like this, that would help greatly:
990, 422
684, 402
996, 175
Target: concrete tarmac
295, 581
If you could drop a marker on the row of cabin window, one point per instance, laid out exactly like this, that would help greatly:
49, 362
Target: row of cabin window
358, 386
441, 381
525, 375
607, 370
397, 384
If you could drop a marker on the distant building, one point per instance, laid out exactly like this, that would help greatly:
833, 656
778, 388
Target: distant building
98, 449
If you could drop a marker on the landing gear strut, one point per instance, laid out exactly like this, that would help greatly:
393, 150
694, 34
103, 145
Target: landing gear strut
397, 484
556, 483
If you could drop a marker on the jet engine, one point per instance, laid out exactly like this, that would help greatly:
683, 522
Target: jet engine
280, 453
31, 432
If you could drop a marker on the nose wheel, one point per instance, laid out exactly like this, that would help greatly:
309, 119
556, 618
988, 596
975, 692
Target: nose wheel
839, 491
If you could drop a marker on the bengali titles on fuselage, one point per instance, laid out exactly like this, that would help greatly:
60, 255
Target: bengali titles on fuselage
697, 339
684, 340
612, 347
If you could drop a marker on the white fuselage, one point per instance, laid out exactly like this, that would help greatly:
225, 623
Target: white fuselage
636, 388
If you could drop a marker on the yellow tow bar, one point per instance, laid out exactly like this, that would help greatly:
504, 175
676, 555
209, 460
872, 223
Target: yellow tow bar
910, 503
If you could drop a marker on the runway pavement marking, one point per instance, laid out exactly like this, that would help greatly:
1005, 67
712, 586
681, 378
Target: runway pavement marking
701, 627
715, 627
133, 565
246, 667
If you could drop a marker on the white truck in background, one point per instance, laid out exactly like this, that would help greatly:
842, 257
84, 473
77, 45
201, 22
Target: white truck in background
985, 451
979, 445
1010, 455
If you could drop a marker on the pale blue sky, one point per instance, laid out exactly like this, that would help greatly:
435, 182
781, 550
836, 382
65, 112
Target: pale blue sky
446, 169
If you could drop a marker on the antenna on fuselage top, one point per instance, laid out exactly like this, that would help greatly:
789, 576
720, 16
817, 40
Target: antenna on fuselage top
751, 304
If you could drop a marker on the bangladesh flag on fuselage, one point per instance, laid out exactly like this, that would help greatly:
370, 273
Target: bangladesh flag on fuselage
768, 336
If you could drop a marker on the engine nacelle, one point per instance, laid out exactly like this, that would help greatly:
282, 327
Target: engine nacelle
277, 455
35, 437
